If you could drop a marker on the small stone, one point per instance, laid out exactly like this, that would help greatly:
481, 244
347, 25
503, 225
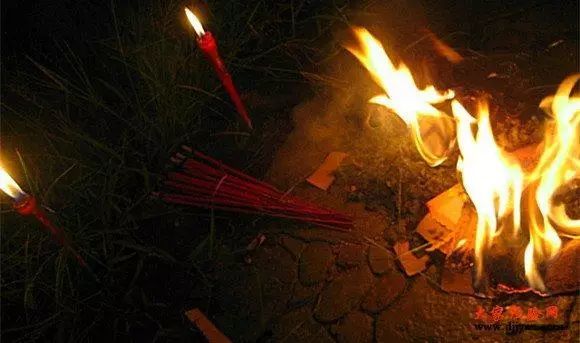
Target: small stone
355, 327
385, 289
302, 295
315, 261
379, 260
293, 246
350, 256
343, 294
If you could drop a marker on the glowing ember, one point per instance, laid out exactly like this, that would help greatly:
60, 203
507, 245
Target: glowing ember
194, 22
402, 95
9, 186
494, 179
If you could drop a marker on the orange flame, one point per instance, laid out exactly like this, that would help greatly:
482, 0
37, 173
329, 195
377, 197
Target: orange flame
9, 186
443, 49
194, 22
402, 95
493, 180
558, 165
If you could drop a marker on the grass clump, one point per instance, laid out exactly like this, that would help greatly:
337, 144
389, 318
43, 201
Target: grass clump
94, 121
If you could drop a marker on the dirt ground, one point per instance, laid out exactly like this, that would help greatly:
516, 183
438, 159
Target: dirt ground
310, 284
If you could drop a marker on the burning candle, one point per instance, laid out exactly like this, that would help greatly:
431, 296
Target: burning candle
26, 205
208, 45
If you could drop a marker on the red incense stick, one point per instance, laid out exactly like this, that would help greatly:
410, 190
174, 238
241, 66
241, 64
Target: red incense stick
28, 206
201, 181
208, 45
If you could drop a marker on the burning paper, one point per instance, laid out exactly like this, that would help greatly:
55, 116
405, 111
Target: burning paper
493, 181
411, 264
403, 97
506, 189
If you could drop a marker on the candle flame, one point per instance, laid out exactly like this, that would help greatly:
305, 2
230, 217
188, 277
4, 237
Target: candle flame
9, 186
194, 22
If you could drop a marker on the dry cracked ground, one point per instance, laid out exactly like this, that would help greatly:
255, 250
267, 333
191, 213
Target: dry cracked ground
309, 284
312, 286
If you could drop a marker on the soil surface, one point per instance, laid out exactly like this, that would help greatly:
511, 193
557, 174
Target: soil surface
308, 284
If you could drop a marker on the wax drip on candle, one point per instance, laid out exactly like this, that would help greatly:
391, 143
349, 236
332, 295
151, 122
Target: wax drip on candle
208, 45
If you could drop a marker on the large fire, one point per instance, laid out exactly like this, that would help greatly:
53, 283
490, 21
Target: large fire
493, 178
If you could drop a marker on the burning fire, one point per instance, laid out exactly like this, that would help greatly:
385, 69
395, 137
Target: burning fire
494, 179
402, 95
194, 22
558, 165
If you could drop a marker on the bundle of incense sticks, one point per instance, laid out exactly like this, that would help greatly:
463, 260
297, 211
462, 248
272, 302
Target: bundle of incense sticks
201, 181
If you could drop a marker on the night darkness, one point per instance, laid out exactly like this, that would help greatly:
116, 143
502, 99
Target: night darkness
97, 97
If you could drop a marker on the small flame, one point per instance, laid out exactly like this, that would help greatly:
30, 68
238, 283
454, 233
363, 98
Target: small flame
194, 22
9, 186
443, 49
402, 95
460, 243
492, 179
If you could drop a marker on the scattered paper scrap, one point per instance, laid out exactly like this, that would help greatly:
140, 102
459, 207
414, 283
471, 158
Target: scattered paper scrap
446, 207
436, 234
451, 222
209, 330
256, 242
411, 264
323, 177
466, 229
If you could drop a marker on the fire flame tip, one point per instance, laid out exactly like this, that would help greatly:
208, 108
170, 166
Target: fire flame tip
9, 186
195, 23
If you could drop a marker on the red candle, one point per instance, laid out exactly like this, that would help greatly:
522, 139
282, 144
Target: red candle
208, 45
27, 205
